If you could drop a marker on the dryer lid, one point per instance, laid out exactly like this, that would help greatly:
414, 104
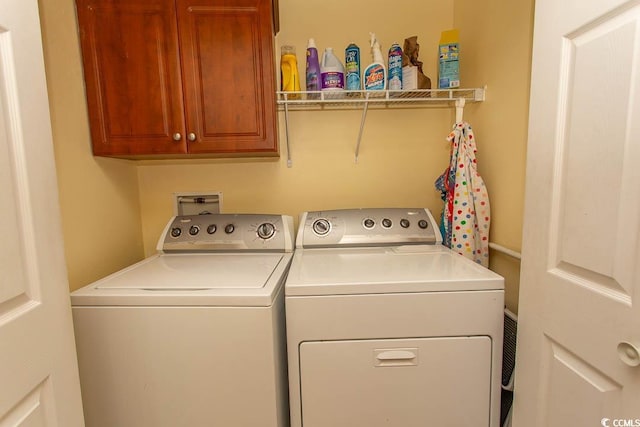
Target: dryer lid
380, 270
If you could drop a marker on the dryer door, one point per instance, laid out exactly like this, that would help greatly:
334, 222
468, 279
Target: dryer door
396, 382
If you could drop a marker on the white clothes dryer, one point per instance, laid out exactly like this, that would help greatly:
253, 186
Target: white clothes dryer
387, 327
194, 335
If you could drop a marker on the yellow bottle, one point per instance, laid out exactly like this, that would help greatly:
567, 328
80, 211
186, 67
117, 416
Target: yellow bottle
289, 77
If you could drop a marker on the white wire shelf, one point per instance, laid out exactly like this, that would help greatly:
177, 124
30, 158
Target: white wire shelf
387, 98
360, 99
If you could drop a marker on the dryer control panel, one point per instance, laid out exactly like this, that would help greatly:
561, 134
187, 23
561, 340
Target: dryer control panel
228, 232
367, 227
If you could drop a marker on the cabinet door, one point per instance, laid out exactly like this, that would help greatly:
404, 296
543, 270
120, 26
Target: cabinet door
132, 74
228, 75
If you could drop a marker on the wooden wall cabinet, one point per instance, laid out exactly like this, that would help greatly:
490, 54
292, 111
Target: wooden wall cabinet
168, 78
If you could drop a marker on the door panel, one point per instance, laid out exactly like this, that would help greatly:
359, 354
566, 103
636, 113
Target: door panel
32, 410
568, 375
132, 74
395, 382
38, 368
14, 282
229, 83
593, 145
580, 275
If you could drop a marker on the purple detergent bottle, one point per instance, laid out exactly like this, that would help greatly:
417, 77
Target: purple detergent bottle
313, 68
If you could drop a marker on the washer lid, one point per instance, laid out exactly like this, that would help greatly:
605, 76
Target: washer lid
403, 269
196, 271
191, 279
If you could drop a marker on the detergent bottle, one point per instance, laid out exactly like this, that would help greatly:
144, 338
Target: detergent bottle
449, 59
289, 77
313, 67
331, 71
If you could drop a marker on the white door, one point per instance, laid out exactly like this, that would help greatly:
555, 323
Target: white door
580, 296
39, 383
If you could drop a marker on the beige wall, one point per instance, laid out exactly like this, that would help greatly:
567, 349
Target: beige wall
402, 153
98, 197
496, 42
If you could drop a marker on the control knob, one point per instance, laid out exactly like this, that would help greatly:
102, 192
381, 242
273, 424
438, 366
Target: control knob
321, 226
176, 232
423, 223
212, 228
194, 229
229, 228
266, 230
368, 223
387, 223
404, 223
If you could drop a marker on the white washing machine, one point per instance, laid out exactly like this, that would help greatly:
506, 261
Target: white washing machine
387, 327
193, 336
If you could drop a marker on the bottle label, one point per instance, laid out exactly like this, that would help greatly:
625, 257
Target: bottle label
374, 78
312, 82
353, 81
395, 67
449, 67
332, 80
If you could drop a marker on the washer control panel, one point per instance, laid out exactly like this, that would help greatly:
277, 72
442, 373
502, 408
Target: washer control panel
367, 227
228, 232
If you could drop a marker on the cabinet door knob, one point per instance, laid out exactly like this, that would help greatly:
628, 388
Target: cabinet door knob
177, 136
629, 354
192, 136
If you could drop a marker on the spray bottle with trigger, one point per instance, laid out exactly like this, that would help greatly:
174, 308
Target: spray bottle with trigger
375, 75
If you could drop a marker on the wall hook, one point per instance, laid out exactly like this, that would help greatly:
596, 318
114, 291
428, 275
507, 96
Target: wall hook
459, 109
